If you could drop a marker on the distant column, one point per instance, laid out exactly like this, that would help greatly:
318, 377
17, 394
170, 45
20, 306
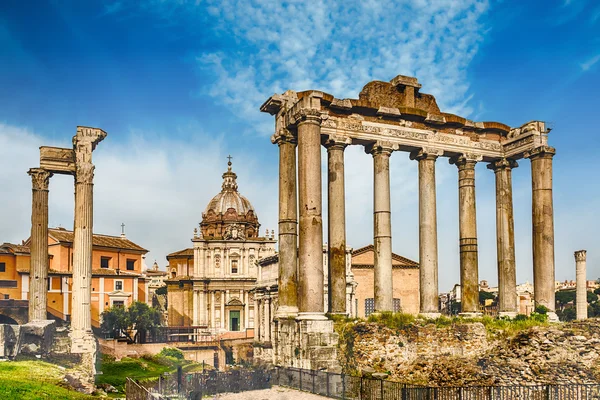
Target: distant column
336, 203
382, 225
543, 226
581, 279
195, 308
223, 324
288, 225
202, 314
38, 289
213, 310
428, 247
267, 331
467, 216
246, 310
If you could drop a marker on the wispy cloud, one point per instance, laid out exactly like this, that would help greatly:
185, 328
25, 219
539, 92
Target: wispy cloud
590, 63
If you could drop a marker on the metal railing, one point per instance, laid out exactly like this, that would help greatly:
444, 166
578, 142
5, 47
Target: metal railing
135, 391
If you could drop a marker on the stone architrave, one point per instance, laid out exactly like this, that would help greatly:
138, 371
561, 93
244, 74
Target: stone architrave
428, 247
581, 280
382, 225
83, 341
505, 238
543, 227
467, 220
310, 249
288, 225
38, 283
336, 224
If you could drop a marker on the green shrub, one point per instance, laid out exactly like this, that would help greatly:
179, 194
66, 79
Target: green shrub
171, 352
540, 309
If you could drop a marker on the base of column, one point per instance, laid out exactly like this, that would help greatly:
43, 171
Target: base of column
430, 315
311, 316
552, 317
470, 315
507, 314
83, 342
286, 312
340, 314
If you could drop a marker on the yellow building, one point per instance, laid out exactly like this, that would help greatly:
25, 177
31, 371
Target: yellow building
117, 278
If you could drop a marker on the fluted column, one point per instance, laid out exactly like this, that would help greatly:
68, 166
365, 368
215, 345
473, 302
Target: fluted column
467, 216
428, 247
382, 225
543, 226
81, 323
336, 203
310, 257
581, 280
38, 288
505, 238
288, 225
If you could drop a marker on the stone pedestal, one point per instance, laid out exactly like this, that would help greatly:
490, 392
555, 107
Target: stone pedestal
581, 295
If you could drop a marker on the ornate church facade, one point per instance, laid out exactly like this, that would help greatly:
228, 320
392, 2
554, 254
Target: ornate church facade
209, 284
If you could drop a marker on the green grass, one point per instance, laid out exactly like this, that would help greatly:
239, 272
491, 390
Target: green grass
31, 380
115, 372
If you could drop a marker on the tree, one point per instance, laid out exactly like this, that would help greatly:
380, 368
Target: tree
597, 291
483, 296
564, 297
161, 290
134, 322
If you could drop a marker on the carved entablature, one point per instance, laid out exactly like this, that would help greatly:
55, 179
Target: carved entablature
398, 112
57, 160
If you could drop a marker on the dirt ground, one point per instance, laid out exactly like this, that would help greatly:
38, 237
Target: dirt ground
276, 392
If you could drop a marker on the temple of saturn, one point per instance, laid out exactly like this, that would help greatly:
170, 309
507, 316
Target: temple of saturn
78, 163
389, 117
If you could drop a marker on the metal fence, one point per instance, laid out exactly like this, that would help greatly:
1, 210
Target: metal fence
135, 391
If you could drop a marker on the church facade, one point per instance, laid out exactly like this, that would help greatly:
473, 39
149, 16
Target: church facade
210, 283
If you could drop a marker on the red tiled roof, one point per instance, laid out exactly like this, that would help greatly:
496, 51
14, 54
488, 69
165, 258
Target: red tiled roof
9, 248
182, 253
404, 262
117, 242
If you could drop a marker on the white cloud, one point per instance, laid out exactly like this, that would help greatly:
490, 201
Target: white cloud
590, 63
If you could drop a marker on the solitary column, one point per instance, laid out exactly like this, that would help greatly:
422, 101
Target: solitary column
288, 225
467, 219
581, 297
505, 238
81, 324
543, 227
428, 248
382, 225
310, 257
38, 284
336, 225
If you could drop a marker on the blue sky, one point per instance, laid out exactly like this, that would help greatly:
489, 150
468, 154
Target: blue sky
177, 86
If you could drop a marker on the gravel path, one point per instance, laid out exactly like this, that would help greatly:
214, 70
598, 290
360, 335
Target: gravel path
276, 392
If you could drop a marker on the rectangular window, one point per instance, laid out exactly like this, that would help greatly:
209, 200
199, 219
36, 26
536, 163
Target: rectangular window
118, 285
2, 267
6, 296
369, 306
119, 303
104, 262
234, 266
130, 265
397, 305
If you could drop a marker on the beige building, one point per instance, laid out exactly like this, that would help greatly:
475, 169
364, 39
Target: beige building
209, 284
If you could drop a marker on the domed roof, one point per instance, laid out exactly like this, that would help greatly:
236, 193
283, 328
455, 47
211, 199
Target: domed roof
229, 197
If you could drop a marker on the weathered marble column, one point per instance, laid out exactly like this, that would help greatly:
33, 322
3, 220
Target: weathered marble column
288, 225
84, 142
336, 204
38, 284
505, 238
382, 225
428, 247
467, 219
543, 227
310, 251
581, 279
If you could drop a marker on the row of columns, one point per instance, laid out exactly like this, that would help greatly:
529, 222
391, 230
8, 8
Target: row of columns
307, 300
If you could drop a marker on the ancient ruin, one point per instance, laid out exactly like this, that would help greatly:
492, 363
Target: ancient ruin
581, 302
389, 117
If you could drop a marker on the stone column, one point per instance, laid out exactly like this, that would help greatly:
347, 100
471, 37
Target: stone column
467, 215
382, 225
580, 276
246, 310
336, 284
84, 142
288, 225
202, 306
195, 308
267, 331
543, 227
38, 289
213, 310
428, 247
505, 237
310, 249
223, 324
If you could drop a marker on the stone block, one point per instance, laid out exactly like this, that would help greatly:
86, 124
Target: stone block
37, 337
9, 340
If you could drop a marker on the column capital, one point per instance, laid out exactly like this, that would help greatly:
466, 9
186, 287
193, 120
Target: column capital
283, 136
426, 153
580, 255
466, 160
502, 164
336, 142
381, 147
540, 152
309, 115
84, 173
40, 178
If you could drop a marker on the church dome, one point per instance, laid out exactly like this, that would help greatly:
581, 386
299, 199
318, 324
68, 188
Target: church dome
228, 211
